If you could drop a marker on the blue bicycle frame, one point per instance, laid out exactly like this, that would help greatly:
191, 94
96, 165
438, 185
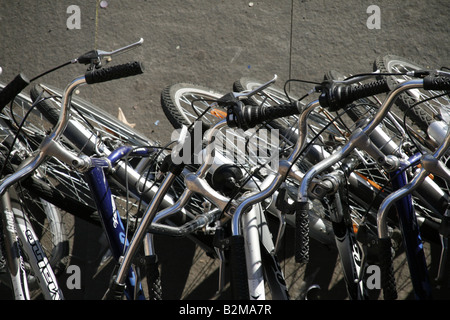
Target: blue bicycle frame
112, 223
412, 239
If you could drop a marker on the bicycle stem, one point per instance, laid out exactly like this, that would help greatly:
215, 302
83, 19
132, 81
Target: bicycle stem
283, 170
151, 211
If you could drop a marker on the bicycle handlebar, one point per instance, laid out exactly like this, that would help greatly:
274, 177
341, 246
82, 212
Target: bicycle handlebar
114, 72
336, 94
50, 143
246, 117
436, 83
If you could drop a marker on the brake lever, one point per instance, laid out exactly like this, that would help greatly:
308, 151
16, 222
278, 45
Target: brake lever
245, 95
94, 57
230, 99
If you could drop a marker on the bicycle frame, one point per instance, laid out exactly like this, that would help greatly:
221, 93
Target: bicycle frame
12, 250
111, 220
409, 226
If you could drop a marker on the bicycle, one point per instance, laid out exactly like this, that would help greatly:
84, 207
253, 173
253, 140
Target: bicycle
186, 102
408, 223
195, 183
383, 144
49, 145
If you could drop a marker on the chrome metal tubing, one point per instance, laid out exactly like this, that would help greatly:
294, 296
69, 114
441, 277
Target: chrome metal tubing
151, 212
142, 228
58, 130
430, 164
33, 162
392, 96
283, 169
392, 198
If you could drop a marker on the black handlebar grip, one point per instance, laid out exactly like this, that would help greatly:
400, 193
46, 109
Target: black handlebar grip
301, 232
12, 89
238, 266
436, 83
247, 117
387, 269
336, 95
114, 72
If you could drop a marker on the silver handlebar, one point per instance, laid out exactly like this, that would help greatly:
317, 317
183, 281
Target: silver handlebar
49, 145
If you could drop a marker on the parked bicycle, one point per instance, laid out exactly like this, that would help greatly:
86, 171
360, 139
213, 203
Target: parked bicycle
51, 143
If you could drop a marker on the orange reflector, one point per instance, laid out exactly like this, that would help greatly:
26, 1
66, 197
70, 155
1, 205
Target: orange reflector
355, 228
219, 113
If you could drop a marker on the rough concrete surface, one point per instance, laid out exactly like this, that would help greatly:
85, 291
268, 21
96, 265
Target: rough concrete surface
214, 43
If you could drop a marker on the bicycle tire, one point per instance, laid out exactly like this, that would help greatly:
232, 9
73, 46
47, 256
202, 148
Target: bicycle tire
175, 113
